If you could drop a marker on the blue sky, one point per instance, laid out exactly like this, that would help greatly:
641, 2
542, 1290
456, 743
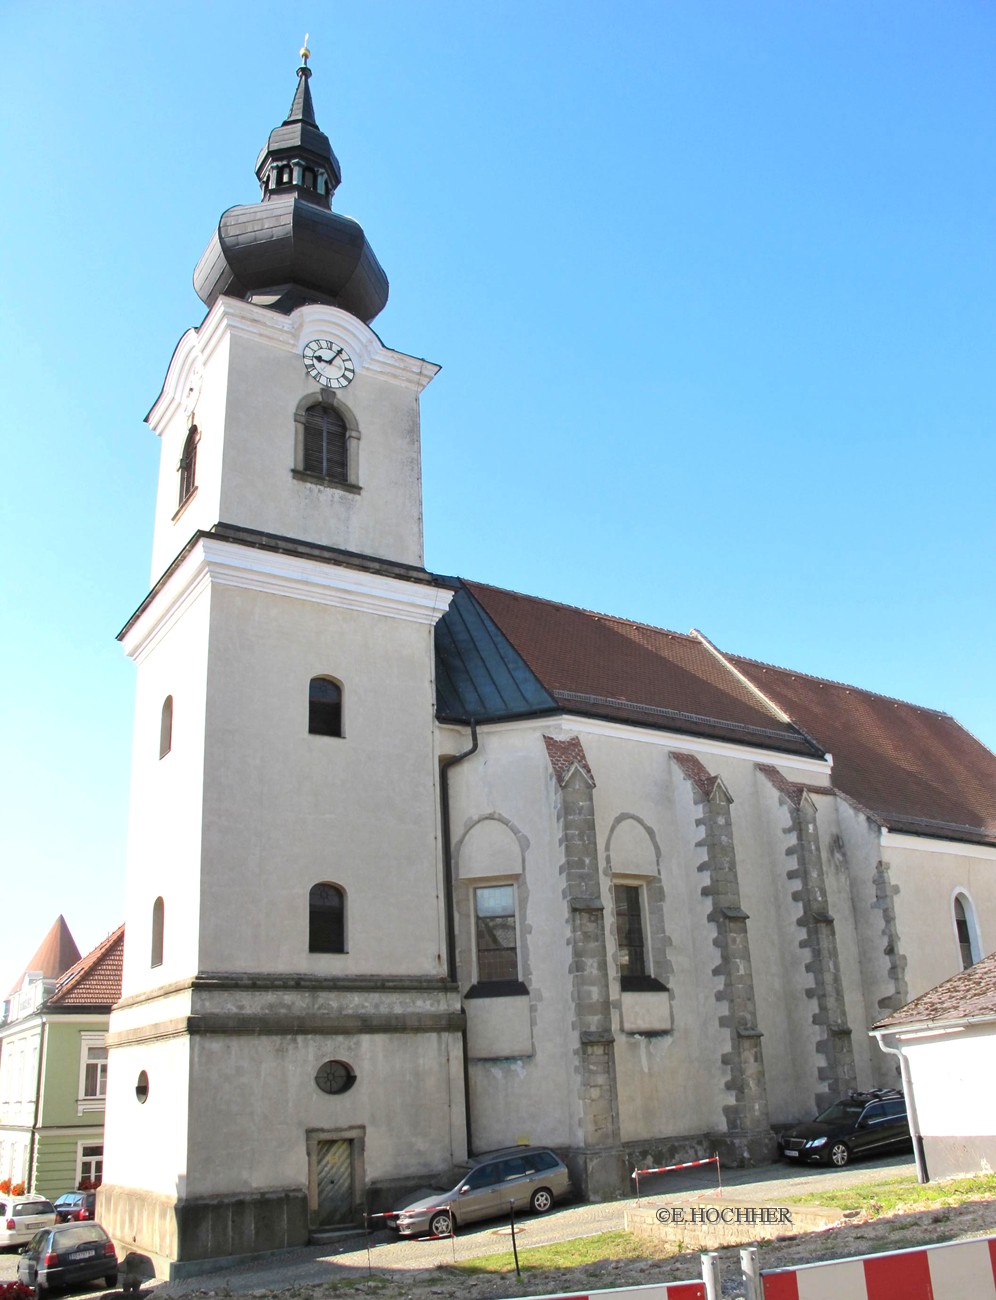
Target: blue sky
712, 283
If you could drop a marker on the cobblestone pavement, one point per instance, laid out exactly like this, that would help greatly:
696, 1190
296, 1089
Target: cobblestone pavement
353, 1255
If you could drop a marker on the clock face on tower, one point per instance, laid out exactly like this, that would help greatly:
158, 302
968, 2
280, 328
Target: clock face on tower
328, 362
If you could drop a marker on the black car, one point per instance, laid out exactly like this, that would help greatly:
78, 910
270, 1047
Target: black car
74, 1207
67, 1254
863, 1123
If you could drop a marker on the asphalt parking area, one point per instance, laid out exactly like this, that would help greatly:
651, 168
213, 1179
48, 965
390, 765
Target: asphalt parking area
383, 1251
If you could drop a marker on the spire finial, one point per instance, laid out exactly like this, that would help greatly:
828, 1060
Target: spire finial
305, 52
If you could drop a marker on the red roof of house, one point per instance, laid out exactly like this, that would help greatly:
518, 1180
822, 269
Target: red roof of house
95, 980
56, 954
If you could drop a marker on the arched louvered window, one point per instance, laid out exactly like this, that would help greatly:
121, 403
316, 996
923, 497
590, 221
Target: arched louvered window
158, 917
325, 443
324, 707
966, 931
188, 465
326, 918
166, 727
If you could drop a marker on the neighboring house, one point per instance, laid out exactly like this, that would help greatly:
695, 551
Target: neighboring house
53, 1066
946, 1043
419, 866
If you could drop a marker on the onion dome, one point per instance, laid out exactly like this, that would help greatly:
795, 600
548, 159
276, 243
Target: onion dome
291, 248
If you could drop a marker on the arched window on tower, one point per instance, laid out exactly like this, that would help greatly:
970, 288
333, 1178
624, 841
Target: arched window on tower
326, 918
324, 707
966, 931
188, 465
166, 727
158, 918
325, 448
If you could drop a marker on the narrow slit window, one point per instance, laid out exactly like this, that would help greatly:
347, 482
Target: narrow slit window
158, 921
324, 707
326, 919
166, 727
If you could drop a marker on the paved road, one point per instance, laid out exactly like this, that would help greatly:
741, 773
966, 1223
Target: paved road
353, 1256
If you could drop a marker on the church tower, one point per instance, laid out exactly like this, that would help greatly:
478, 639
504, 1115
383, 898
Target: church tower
288, 1027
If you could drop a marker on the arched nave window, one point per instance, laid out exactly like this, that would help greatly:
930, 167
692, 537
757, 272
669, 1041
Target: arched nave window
324, 707
326, 918
966, 931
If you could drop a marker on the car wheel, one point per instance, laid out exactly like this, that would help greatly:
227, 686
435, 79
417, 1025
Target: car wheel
440, 1225
111, 1280
541, 1200
839, 1154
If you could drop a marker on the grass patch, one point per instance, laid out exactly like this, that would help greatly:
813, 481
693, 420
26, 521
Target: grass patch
579, 1253
899, 1194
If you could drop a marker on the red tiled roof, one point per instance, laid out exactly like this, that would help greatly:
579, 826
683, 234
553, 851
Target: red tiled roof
969, 995
914, 769
602, 666
56, 953
95, 980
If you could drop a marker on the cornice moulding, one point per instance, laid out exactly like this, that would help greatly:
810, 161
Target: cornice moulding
671, 740
935, 844
215, 563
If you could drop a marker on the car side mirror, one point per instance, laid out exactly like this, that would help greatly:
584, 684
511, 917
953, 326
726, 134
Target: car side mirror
464, 1188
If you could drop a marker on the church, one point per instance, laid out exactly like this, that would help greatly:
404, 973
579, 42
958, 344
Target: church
419, 867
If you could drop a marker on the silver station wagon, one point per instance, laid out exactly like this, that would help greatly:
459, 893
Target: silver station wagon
523, 1178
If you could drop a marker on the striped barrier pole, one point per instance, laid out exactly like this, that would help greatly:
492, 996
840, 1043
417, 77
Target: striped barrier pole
957, 1270
687, 1164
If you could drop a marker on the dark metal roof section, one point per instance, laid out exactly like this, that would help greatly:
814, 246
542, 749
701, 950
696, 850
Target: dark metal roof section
479, 673
291, 248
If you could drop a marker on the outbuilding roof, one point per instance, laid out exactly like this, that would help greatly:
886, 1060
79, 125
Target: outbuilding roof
969, 995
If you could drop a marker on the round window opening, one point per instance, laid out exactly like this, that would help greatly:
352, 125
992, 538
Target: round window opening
142, 1087
335, 1077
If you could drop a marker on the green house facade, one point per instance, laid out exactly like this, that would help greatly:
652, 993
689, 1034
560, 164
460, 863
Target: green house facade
53, 1071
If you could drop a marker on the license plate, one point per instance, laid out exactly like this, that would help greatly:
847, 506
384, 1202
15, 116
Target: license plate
82, 1254
792, 1155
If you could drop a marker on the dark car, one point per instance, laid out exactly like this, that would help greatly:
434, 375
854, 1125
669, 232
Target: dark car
863, 1123
67, 1254
75, 1207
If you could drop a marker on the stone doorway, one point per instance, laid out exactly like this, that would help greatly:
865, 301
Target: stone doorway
335, 1177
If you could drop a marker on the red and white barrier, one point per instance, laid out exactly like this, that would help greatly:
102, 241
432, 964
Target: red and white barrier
637, 1174
659, 1291
666, 1169
959, 1270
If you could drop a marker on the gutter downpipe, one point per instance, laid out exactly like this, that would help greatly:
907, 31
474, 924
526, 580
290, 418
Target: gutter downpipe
451, 964
922, 1172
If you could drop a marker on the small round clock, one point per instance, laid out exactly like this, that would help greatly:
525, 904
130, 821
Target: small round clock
328, 362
